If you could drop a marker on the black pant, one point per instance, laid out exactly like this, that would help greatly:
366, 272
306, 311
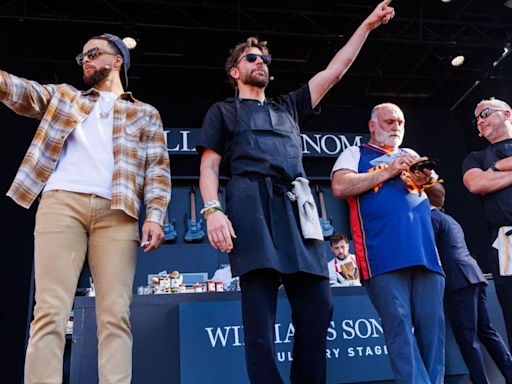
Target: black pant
467, 311
503, 286
311, 306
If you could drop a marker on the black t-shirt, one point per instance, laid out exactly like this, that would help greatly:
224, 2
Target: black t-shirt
497, 206
221, 121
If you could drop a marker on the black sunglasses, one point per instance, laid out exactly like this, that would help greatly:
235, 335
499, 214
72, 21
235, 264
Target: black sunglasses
252, 57
91, 54
484, 114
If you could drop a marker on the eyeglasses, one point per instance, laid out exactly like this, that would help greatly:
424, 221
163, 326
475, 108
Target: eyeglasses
91, 54
252, 57
484, 114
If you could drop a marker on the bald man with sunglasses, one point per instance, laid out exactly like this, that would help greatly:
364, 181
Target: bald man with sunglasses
257, 141
488, 173
96, 154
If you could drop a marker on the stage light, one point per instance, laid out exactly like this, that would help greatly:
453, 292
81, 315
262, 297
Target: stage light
447, 1
508, 4
457, 61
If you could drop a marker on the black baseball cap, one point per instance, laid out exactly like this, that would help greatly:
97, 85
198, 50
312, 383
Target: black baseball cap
123, 49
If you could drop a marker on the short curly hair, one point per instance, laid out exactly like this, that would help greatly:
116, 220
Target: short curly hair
239, 50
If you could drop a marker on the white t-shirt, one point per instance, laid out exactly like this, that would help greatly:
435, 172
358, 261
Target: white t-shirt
86, 162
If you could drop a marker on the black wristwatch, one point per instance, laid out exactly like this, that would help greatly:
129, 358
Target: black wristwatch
494, 168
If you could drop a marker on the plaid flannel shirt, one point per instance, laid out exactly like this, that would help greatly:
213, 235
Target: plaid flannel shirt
141, 160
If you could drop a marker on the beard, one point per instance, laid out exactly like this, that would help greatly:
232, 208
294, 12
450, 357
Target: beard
255, 80
386, 139
97, 76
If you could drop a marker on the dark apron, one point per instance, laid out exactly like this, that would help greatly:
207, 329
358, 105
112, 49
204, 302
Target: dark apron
266, 142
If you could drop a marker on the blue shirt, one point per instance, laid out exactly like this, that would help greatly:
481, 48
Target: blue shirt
391, 224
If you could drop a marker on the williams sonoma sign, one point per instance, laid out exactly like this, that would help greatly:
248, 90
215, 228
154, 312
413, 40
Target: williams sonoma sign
181, 141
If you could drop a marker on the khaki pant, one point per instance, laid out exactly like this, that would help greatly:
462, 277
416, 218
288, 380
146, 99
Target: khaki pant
70, 226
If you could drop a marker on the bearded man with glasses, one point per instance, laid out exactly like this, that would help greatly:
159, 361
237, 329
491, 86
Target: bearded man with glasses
95, 155
488, 173
257, 140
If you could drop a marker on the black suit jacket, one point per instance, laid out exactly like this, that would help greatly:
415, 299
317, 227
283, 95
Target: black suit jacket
460, 267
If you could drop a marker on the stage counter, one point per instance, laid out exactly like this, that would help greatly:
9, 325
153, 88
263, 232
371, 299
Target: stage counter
197, 338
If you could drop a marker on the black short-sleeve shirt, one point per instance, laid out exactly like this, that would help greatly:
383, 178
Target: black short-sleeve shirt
221, 121
260, 148
496, 206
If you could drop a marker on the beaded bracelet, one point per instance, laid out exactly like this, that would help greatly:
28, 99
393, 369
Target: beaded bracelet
207, 212
211, 204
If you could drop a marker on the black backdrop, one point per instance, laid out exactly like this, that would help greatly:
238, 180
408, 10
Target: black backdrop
436, 133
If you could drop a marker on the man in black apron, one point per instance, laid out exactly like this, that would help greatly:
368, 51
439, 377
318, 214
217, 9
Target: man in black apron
256, 141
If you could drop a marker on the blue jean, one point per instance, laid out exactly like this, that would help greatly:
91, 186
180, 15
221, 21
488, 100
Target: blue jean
410, 304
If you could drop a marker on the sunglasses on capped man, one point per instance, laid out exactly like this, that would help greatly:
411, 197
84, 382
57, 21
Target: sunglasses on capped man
91, 54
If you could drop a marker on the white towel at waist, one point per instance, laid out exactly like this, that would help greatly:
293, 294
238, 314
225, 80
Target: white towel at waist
308, 213
503, 244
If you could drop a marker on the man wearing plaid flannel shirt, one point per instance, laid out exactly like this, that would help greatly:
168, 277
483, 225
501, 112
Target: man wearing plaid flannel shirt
96, 154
